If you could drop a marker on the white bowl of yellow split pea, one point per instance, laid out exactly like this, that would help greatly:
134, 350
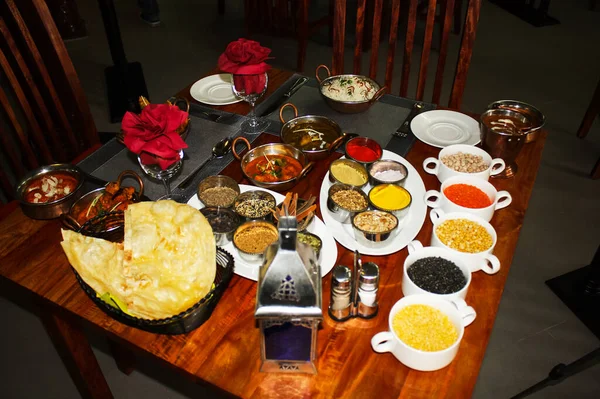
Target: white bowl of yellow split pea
391, 198
466, 235
424, 331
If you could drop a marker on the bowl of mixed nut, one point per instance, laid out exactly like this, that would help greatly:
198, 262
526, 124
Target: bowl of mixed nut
344, 201
463, 160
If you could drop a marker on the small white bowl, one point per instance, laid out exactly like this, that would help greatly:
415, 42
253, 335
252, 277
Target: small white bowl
499, 199
416, 251
443, 172
483, 260
460, 314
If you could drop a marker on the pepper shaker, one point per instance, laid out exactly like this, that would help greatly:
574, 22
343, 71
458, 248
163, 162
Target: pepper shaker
340, 306
368, 285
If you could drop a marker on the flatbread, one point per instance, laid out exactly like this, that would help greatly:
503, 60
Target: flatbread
166, 264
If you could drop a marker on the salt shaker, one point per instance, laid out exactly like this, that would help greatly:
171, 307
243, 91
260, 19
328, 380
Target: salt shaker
340, 306
368, 285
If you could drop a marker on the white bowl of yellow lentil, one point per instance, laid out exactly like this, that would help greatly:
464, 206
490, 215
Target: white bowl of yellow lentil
467, 235
425, 331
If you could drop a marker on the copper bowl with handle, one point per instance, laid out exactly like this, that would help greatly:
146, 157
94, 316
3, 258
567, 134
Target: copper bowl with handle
316, 136
272, 149
348, 107
535, 116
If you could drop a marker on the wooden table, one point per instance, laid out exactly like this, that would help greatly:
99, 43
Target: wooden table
224, 352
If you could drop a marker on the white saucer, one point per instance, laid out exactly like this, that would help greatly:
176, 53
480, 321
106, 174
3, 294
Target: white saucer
214, 90
441, 128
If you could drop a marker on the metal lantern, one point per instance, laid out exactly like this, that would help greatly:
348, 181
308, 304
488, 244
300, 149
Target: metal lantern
288, 303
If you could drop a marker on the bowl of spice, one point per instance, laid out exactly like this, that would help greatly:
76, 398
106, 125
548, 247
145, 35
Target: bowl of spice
387, 171
466, 235
348, 172
223, 222
435, 271
463, 160
374, 228
468, 194
424, 331
255, 205
311, 239
363, 150
345, 201
218, 191
251, 240
391, 198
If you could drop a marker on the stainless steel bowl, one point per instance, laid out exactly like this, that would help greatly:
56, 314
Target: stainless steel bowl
255, 194
272, 149
218, 181
371, 238
252, 257
384, 165
363, 142
304, 235
338, 212
535, 116
49, 210
215, 215
360, 169
400, 213
348, 107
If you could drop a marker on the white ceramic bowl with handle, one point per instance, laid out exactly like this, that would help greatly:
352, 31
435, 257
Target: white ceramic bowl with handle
483, 260
444, 172
438, 199
457, 310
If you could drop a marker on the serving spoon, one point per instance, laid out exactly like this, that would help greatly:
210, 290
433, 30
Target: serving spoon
219, 150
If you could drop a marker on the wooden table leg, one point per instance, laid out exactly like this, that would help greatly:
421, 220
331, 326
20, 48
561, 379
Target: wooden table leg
590, 114
77, 355
124, 358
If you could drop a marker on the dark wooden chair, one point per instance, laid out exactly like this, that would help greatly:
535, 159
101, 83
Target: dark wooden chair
44, 115
464, 59
586, 124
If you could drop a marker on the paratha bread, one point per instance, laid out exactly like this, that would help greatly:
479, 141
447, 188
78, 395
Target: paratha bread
97, 261
170, 258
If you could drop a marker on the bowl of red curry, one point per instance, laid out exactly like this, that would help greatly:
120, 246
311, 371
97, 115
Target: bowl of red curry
49, 191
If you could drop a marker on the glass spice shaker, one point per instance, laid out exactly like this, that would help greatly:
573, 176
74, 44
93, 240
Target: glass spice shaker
340, 306
368, 285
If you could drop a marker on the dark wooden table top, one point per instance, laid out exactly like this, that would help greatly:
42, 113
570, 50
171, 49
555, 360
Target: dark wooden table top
224, 352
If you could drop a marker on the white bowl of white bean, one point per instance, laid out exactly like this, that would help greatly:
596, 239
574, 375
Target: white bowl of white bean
463, 160
468, 236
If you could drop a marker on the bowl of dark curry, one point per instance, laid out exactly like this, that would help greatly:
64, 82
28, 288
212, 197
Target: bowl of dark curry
49, 191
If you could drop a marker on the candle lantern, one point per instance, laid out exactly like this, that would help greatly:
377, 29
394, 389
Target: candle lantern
288, 303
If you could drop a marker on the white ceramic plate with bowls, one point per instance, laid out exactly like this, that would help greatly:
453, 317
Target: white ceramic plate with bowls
410, 225
441, 128
214, 90
242, 268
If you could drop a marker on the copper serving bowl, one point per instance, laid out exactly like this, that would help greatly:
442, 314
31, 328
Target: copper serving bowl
348, 107
323, 129
52, 209
272, 149
534, 115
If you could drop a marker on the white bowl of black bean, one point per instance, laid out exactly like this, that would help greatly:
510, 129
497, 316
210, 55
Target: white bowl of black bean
463, 160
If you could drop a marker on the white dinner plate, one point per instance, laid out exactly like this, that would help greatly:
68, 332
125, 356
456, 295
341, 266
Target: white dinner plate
410, 225
214, 90
441, 128
242, 268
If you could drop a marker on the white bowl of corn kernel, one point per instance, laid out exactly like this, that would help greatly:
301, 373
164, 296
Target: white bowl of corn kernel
425, 331
467, 235
463, 160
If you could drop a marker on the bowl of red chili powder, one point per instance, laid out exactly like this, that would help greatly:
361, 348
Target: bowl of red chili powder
363, 150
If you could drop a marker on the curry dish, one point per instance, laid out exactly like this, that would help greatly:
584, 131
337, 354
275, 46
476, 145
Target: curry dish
50, 187
273, 168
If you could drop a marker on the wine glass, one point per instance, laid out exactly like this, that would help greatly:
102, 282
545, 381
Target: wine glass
250, 88
164, 175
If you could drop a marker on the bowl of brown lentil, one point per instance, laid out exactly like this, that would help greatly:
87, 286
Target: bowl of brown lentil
255, 205
374, 228
466, 235
345, 201
463, 160
425, 331
218, 191
251, 240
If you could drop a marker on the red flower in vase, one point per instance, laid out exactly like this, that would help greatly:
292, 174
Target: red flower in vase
246, 59
153, 133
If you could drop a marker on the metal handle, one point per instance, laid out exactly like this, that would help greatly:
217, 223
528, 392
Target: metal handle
306, 170
175, 100
337, 143
245, 141
69, 222
378, 94
317, 72
137, 177
284, 106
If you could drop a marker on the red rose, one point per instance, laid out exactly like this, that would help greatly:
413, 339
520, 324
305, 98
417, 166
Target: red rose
244, 57
154, 131
250, 84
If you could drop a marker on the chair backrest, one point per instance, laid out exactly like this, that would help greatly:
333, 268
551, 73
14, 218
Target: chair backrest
448, 10
44, 115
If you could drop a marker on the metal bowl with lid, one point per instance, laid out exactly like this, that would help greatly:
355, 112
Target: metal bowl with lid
316, 136
51, 209
348, 107
535, 116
